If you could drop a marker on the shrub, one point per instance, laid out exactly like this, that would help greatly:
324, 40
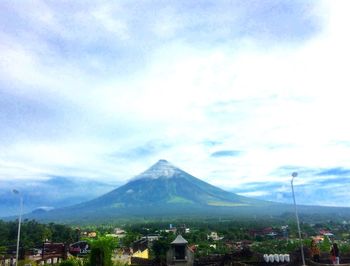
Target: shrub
67, 263
26, 262
101, 251
72, 262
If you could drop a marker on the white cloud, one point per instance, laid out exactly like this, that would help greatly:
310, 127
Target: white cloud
283, 104
104, 16
254, 193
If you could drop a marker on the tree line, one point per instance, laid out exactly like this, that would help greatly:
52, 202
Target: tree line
33, 233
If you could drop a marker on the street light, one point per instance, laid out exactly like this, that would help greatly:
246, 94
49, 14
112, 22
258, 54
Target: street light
295, 174
19, 221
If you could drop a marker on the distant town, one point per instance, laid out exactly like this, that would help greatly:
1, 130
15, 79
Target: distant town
195, 242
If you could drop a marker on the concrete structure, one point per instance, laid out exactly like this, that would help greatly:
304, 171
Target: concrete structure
151, 237
179, 253
120, 233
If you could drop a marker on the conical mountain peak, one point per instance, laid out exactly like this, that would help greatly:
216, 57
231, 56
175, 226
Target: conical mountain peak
163, 189
161, 169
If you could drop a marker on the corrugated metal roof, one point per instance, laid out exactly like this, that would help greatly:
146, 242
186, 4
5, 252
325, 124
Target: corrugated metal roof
179, 240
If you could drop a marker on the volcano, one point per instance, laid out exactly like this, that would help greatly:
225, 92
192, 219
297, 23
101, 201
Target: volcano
164, 185
165, 191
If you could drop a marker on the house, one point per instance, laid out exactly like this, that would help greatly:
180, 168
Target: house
139, 250
325, 232
92, 234
329, 234
140, 244
272, 235
214, 236
143, 254
120, 233
183, 229
173, 230
151, 237
267, 231
285, 229
179, 253
239, 245
318, 238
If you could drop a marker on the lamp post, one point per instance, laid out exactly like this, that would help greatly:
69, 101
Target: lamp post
295, 174
19, 221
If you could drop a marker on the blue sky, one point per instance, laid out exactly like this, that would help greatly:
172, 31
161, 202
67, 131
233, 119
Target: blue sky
236, 93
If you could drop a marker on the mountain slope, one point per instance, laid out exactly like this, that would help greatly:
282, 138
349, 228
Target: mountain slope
164, 183
165, 191
162, 190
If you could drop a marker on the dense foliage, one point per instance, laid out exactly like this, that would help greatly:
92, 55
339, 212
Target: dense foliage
33, 234
161, 246
196, 232
101, 251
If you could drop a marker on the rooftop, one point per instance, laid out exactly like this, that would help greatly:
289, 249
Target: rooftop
179, 240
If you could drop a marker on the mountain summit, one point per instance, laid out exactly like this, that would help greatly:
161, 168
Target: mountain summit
162, 190
163, 185
161, 169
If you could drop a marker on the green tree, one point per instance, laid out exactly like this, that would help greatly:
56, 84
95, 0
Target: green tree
129, 238
325, 245
101, 251
344, 248
160, 247
33, 233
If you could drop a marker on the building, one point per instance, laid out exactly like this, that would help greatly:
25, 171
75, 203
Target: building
120, 233
92, 234
214, 236
139, 250
171, 230
142, 252
179, 253
151, 237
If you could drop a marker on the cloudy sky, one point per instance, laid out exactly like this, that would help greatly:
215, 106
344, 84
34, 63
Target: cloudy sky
237, 93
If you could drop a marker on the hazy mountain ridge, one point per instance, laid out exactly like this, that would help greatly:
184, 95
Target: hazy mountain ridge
167, 191
161, 190
54, 192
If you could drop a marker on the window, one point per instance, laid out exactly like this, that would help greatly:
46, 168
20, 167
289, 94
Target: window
179, 252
